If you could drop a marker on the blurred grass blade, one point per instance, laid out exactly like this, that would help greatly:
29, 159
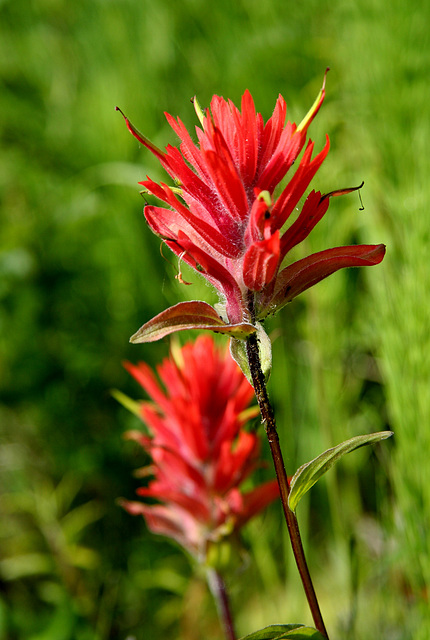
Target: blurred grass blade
308, 474
128, 403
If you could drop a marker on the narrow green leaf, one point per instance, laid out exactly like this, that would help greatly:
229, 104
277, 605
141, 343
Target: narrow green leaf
189, 315
271, 632
285, 631
308, 474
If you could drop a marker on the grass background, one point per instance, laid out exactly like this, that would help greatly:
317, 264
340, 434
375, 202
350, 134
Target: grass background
79, 273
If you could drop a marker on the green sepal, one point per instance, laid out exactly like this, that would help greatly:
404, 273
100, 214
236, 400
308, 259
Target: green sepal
239, 354
285, 631
308, 474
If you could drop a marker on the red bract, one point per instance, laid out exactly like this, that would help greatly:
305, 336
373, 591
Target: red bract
225, 221
200, 451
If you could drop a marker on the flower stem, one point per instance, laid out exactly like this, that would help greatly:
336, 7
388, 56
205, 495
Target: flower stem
268, 418
218, 589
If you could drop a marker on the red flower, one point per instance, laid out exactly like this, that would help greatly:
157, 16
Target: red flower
224, 220
200, 451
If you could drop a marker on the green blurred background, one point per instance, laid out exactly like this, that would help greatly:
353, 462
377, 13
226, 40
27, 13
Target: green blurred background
79, 273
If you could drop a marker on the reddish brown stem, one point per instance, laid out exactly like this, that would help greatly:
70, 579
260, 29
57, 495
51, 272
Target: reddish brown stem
217, 586
268, 419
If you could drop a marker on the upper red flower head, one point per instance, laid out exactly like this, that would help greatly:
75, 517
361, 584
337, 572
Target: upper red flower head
200, 451
224, 220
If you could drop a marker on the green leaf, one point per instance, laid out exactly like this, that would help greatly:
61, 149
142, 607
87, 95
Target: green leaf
308, 474
285, 631
189, 315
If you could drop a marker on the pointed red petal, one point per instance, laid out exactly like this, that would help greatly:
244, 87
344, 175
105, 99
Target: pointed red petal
273, 130
146, 378
256, 500
289, 147
298, 184
303, 274
260, 262
143, 139
312, 212
172, 522
171, 495
204, 228
249, 139
225, 178
189, 150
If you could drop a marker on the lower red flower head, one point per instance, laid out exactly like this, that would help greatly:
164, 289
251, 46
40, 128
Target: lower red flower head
200, 451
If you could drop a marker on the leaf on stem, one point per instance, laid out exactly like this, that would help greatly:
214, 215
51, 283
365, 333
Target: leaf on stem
308, 474
189, 315
285, 631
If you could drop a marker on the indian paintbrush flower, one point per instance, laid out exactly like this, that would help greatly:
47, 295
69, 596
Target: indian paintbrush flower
225, 221
201, 453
